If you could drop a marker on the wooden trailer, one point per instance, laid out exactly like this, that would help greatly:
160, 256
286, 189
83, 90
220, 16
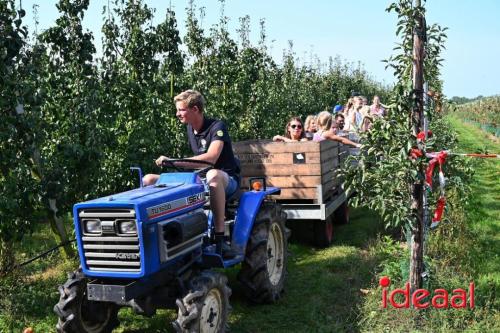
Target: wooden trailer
307, 173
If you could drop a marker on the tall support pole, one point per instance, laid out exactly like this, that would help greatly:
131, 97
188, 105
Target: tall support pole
417, 236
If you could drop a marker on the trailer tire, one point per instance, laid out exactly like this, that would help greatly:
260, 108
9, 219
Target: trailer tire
206, 302
341, 214
323, 232
264, 270
79, 315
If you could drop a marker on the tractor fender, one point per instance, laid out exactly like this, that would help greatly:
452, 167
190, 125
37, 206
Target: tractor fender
248, 209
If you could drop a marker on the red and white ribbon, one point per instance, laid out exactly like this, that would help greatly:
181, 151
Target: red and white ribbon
438, 158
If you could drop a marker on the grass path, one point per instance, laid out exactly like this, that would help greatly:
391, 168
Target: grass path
484, 208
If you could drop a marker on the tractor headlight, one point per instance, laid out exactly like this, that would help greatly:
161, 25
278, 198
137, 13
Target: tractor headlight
92, 226
127, 227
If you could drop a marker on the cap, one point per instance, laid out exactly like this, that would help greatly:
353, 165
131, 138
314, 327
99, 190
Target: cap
337, 108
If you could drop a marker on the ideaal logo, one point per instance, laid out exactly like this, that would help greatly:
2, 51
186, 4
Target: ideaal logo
419, 298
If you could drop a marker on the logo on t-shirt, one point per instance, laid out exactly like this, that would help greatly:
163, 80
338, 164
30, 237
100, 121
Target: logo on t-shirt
220, 133
203, 144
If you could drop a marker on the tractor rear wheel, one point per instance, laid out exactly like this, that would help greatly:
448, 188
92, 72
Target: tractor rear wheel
263, 272
205, 309
79, 315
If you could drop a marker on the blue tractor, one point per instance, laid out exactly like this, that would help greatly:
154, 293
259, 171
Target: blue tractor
152, 247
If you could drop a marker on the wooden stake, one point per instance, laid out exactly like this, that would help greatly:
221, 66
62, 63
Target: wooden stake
417, 237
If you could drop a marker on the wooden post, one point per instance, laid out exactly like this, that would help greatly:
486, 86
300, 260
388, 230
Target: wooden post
417, 237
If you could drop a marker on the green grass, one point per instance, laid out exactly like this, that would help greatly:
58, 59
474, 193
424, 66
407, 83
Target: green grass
484, 208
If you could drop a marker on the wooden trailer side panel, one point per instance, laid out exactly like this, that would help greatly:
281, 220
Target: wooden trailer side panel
303, 170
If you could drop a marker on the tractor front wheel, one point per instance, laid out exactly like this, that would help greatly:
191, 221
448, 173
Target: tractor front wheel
205, 309
263, 272
79, 315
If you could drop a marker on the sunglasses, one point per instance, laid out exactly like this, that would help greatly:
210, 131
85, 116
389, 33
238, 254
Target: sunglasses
296, 126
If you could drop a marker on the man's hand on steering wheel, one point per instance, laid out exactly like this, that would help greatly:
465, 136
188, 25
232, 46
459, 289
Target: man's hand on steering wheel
160, 160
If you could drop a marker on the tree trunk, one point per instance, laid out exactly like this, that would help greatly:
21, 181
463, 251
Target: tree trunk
57, 225
7, 258
417, 237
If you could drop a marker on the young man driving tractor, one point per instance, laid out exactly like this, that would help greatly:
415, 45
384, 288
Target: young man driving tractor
210, 142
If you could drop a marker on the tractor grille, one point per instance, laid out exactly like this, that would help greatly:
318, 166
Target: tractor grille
109, 250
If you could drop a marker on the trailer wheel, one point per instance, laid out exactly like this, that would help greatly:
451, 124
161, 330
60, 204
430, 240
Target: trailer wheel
341, 214
323, 232
263, 272
205, 308
79, 315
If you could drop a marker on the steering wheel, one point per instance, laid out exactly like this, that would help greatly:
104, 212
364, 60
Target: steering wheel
170, 163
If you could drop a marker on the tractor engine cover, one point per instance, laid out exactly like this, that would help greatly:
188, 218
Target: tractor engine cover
181, 234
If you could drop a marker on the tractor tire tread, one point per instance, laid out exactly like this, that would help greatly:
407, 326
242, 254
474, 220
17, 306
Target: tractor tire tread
188, 322
253, 274
67, 307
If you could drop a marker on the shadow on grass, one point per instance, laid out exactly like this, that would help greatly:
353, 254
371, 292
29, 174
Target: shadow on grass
322, 293
364, 225
323, 289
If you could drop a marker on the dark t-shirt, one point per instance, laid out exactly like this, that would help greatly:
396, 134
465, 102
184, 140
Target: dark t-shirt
213, 130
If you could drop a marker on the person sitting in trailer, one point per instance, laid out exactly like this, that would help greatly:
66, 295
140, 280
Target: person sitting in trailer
325, 133
348, 105
377, 109
353, 116
294, 132
310, 126
338, 124
370, 113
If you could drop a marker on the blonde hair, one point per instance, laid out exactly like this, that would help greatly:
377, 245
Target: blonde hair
324, 120
349, 104
309, 120
192, 98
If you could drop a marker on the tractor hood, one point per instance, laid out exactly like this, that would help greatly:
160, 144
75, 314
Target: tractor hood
172, 194
136, 194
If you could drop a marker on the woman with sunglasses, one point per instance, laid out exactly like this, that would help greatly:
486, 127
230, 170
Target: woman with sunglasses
294, 132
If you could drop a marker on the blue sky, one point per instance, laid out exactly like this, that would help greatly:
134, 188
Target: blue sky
356, 30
